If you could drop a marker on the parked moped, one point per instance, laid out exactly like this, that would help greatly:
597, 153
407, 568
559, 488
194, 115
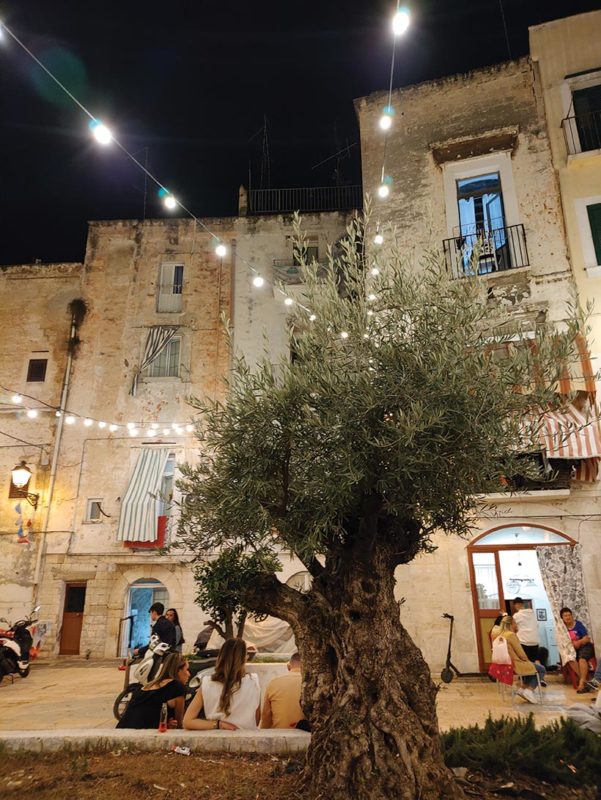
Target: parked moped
16, 647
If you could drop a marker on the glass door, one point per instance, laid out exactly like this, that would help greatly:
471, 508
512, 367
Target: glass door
487, 594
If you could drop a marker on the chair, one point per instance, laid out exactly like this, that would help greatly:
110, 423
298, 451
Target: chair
505, 676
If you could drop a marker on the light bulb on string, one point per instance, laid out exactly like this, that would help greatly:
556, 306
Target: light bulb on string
155, 426
58, 413
100, 132
70, 419
178, 430
189, 428
151, 432
166, 431
288, 301
221, 250
385, 121
371, 297
378, 239
102, 424
383, 191
131, 425
375, 271
401, 21
88, 422
258, 281
133, 431
312, 317
32, 413
113, 427
17, 398
344, 335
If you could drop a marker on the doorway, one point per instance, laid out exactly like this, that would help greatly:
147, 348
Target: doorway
140, 596
503, 565
75, 600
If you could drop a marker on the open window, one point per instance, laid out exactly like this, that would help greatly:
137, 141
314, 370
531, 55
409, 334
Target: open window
582, 107
171, 286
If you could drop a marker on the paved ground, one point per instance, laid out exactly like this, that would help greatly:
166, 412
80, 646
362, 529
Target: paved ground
75, 694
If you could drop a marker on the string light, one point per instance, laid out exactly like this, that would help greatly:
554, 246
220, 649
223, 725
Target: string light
221, 250
344, 335
312, 317
70, 420
371, 297
258, 281
102, 424
113, 427
32, 413
378, 239
383, 191
133, 431
170, 202
17, 398
100, 132
401, 21
375, 271
189, 428
88, 422
288, 301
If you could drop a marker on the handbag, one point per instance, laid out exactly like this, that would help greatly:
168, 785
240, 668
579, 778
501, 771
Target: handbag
500, 651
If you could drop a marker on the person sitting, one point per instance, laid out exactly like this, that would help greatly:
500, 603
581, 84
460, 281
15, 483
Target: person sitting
172, 616
281, 706
230, 697
144, 708
522, 665
583, 646
496, 627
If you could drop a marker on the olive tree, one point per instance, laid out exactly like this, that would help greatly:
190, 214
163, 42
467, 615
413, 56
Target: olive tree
404, 402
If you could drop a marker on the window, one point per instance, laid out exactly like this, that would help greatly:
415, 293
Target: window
588, 216
165, 498
94, 509
587, 111
310, 253
166, 364
36, 370
171, 283
594, 220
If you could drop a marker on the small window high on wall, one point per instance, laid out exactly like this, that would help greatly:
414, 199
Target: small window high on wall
171, 286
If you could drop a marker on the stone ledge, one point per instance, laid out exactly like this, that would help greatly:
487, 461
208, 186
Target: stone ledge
267, 741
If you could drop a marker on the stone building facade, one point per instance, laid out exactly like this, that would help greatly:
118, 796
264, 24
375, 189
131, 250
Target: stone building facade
81, 557
468, 164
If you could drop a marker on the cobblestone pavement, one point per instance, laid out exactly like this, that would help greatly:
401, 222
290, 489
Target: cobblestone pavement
73, 694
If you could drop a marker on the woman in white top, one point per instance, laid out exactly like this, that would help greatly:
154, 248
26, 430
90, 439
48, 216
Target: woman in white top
231, 697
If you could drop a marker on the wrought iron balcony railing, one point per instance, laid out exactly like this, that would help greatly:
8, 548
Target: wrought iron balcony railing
486, 251
583, 132
320, 198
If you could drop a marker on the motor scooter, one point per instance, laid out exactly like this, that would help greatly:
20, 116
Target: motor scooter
139, 671
16, 646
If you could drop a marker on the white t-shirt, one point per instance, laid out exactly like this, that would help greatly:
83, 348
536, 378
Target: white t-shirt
243, 702
527, 626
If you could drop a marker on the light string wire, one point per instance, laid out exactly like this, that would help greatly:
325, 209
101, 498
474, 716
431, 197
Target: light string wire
131, 156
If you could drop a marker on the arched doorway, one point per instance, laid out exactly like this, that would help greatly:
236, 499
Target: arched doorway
141, 594
503, 565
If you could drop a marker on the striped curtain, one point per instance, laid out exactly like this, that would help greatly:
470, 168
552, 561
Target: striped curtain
158, 338
138, 520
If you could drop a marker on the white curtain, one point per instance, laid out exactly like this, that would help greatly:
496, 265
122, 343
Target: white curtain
158, 338
561, 571
138, 519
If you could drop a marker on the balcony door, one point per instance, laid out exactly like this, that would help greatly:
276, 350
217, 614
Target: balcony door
482, 223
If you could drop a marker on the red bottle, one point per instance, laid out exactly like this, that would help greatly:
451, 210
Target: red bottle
164, 718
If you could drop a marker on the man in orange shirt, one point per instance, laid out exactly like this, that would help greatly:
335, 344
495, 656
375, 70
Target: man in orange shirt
281, 706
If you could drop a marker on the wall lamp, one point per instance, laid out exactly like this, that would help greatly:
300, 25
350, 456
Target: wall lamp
20, 477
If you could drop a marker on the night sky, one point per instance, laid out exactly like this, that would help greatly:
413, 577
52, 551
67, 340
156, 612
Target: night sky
188, 85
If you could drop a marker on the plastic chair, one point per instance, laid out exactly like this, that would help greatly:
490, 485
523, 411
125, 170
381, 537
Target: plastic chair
569, 676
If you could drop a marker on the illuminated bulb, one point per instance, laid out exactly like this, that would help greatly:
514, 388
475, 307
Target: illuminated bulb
170, 202
87, 422
383, 191
32, 413
312, 318
371, 296
288, 301
400, 21
378, 239
102, 424
258, 281
221, 250
189, 428
366, 335
17, 398
58, 414
344, 335
155, 426
70, 419
113, 428
375, 271
166, 431
131, 425
370, 313
133, 431
151, 432
385, 122
177, 430
101, 133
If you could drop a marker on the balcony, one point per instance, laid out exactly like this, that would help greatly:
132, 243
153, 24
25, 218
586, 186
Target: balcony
320, 198
156, 544
486, 251
582, 132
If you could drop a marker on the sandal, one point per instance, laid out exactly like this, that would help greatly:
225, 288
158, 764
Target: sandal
583, 690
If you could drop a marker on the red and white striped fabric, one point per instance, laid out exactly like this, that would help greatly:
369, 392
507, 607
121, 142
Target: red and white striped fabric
573, 435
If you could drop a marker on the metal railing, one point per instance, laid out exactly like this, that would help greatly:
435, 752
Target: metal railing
486, 251
319, 198
285, 270
582, 132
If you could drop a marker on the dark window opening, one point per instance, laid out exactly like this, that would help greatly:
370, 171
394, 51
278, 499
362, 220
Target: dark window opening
594, 219
587, 110
36, 370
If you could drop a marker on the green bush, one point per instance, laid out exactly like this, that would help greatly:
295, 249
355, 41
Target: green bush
559, 753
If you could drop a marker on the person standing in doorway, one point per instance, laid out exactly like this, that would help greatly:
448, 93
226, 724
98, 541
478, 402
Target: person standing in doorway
161, 627
525, 619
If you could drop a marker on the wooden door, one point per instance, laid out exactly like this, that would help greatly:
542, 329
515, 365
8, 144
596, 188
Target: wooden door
75, 598
487, 596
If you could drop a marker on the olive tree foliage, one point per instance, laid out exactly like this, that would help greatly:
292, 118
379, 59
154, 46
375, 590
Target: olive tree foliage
221, 584
405, 401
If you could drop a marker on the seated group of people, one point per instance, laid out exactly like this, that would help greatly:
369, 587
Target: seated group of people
520, 633
230, 697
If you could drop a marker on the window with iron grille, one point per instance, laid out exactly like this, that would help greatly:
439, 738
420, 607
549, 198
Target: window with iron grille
166, 364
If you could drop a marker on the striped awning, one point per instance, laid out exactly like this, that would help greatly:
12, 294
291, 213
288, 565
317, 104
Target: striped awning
574, 435
138, 520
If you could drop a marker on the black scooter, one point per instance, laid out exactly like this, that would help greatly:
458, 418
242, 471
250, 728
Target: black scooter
449, 670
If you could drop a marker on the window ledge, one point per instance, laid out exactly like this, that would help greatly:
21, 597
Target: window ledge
540, 495
504, 273
162, 379
579, 158
593, 272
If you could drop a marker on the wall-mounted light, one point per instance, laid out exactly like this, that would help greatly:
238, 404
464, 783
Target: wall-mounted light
20, 477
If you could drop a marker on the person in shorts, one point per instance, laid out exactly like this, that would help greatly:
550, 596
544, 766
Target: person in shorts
583, 646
